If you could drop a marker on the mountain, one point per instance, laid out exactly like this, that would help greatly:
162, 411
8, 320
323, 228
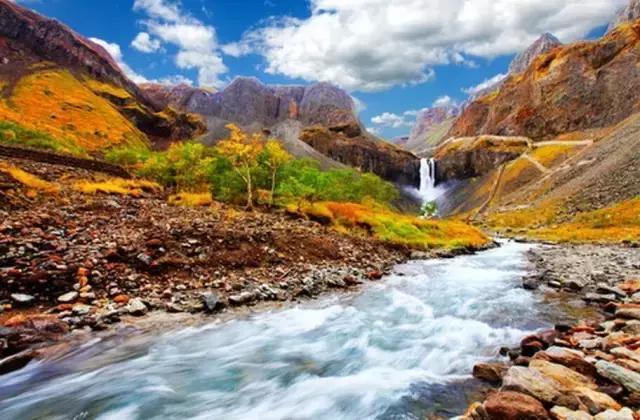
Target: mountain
58, 82
542, 45
630, 13
431, 127
316, 121
571, 88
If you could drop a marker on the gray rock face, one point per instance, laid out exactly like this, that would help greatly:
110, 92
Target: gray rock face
545, 43
628, 14
625, 377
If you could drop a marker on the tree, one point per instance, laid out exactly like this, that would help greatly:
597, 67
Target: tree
275, 158
242, 150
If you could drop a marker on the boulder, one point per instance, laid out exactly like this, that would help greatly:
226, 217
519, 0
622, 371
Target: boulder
567, 378
623, 414
532, 382
137, 307
563, 413
514, 405
618, 374
573, 359
490, 372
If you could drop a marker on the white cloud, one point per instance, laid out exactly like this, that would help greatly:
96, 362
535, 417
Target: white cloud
144, 43
359, 103
444, 101
176, 80
196, 42
389, 119
372, 45
116, 53
486, 84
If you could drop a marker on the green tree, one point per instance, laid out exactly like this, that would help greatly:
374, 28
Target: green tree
275, 158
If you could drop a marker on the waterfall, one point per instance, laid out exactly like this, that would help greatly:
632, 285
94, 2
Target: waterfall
428, 190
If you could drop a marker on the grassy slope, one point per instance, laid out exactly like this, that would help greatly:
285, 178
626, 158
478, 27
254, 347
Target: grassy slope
72, 111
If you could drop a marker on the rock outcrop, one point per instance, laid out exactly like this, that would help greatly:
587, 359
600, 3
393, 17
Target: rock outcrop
577, 87
88, 81
630, 13
542, 45
464, 158
316, 118
431, 128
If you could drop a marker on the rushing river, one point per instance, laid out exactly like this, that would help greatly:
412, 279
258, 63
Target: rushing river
402, 348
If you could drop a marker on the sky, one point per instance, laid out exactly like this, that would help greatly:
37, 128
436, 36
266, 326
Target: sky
395, 57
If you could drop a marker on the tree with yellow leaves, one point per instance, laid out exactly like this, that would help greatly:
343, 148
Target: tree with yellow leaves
276, 157
243, 151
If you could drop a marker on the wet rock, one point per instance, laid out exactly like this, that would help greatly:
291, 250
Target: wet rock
531, 345
605, 289
68, 297
16, 361
625, 377
490, 372
514, 405
531, 282
22, 299
570, 358
137, 307
242, 299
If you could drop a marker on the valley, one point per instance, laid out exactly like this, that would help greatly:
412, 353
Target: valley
177, 250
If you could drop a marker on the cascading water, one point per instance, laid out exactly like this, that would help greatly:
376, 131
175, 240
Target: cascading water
400, 349
428, 190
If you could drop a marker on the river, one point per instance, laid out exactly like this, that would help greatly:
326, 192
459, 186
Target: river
402, 348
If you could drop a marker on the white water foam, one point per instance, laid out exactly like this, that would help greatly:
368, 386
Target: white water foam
379, 354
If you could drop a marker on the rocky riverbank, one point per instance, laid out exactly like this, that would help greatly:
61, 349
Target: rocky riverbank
584, 371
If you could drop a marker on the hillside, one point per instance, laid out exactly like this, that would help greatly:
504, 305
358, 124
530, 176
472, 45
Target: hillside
57, 82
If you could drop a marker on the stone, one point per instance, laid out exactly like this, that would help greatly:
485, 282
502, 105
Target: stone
620, 375
531, 382
81, 309
563, 413
242, 299
212, 302
605, 289
628, 312
566, 377
570, 358
631, 327
531, 345
22, 299
624, 414
121, 299
595, 401
490, 372
625, 352
630, 287
514, 405
68, 297
137, 307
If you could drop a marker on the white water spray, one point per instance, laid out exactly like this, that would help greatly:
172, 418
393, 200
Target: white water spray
428, 190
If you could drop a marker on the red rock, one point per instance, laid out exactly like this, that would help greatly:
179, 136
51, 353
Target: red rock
121, 299
374, 275
490, 372
83, 272
514, 405
531, 345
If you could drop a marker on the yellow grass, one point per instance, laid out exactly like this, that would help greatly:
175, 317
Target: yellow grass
550, 156
116, 186
56, 102
395, 228
188, 199
29, 180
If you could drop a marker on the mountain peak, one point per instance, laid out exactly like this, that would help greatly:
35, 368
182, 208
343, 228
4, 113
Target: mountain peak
630, 13
546, 42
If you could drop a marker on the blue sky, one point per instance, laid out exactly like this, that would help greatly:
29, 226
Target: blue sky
394, 56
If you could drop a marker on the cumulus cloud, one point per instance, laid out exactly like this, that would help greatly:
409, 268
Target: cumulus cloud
391, 120
371, 45
486, 84
196, 42
115, 52
144, 43
444, 101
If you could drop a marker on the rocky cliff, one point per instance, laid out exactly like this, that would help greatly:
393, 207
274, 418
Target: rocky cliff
572, 88
431, 128
630, 13
542, 45
56, 81
308, 119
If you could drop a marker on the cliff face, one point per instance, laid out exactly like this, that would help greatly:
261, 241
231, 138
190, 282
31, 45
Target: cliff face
630, 13
324, 114
542, 45
572, 88
360, 150
61, 83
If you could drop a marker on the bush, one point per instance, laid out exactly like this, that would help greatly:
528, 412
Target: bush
16, 135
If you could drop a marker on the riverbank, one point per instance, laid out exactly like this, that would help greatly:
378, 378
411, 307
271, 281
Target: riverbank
586, 370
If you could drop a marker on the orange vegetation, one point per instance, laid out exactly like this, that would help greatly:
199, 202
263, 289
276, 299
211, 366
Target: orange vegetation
391, 227
552, 155
30, 181
191, 199
494, 144
117, 186
56, 102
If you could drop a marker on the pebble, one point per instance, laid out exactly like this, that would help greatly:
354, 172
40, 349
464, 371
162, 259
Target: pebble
22, 299
68, 297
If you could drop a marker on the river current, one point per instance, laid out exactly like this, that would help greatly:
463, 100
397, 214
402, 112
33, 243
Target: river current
402, 348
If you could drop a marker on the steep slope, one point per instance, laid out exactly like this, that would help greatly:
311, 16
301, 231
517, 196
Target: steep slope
56, 81
630, 13
577, 87
542, 45
431, 128
316, 121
